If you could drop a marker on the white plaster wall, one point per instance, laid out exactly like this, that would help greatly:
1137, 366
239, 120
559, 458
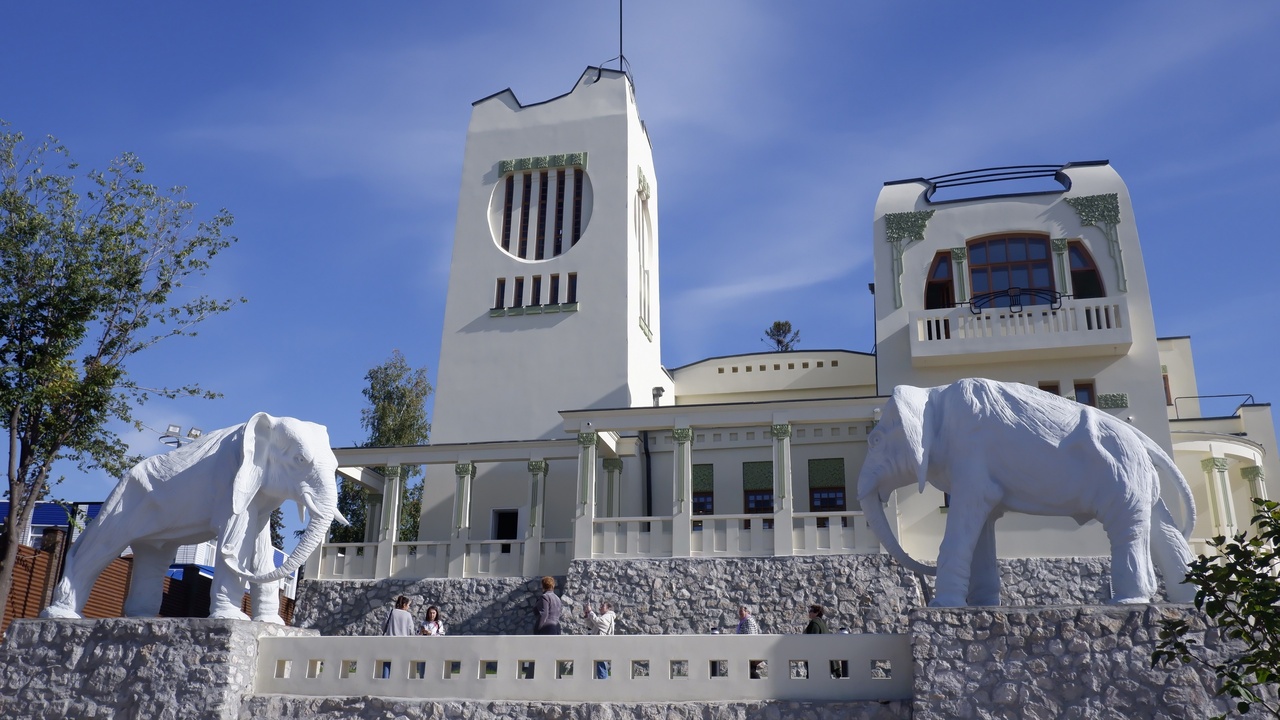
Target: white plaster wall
776, 376
1175, 355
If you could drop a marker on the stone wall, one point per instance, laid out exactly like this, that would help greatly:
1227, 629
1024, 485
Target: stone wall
130, 668
1059, 662
865, 593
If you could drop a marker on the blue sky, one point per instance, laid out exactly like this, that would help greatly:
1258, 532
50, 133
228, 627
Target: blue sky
334, 132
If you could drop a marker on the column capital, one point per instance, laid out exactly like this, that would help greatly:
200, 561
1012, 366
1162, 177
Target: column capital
538, 467
780, 431
587, 439
682, 435
1059, 244
1253, 472
465, 469
612, 464
959, 254
1212, 464
391, 471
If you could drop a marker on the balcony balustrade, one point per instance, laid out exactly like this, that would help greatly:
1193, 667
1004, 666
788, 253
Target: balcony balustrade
1078, 328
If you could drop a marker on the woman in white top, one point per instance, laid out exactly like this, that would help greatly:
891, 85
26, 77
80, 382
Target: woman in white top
433, 625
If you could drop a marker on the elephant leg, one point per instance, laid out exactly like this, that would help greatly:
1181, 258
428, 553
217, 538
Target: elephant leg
970, 512
1172, 555
264, 598
1132, 576
226, 593
85, 562
984, 578
146, 583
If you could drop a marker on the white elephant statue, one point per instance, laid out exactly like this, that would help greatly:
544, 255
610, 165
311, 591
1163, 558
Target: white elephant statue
998, 447
225, 486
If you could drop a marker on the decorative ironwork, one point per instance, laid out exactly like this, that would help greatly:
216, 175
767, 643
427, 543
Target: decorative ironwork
1016, 299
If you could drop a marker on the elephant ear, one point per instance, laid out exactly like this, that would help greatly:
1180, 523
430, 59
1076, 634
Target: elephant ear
255, 454
912, 403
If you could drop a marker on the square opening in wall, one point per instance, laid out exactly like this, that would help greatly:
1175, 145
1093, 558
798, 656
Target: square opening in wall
347, 669
799, 669
679, 669
639, 668
314, 668
488, 670
564, 669
881, 670
719, 669
452, 668
526, 670
758, 669
283, 669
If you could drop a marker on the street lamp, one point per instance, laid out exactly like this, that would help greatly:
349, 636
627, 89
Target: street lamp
173, 436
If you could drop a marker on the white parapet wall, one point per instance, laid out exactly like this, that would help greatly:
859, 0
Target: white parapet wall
643, 668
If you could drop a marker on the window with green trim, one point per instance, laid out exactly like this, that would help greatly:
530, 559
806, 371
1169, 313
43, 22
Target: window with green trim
757, 491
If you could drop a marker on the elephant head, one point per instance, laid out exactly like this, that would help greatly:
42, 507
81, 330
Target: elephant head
897, 456
281, 458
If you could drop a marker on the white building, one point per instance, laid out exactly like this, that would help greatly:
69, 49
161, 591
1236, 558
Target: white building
558, 434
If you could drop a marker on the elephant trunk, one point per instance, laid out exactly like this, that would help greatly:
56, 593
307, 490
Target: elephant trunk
322, 513
873, 511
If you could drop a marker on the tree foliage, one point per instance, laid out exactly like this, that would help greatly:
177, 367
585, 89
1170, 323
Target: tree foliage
1239, 591
396, 414
87, 281
781, 336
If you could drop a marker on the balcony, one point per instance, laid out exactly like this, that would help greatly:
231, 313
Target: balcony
1094, 327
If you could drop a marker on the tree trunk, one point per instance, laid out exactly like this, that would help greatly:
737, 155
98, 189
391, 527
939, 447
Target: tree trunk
15, 525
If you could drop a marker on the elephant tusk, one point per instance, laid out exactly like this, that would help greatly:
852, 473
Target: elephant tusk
302, 518
339, 518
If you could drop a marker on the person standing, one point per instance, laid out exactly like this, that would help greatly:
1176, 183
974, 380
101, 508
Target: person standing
602, 624
432, 625
747, 625
816, 626
398, 622
546, 619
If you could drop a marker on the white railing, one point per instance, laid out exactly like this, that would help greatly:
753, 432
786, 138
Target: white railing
948, 335
348, 561
499, 558
420, 559
743, 535
631, 537
641, 668
824, 533
556, 554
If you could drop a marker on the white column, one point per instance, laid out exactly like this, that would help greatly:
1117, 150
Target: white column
681, 500
613, 472
1256, 479
390, 525
583, 528
783, 502
533, 534
463, 472
1224, 513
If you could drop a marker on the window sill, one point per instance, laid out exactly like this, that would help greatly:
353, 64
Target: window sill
533, 310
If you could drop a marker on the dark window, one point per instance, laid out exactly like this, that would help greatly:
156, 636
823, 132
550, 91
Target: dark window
1050, 387
1086, 282
506, 526
517, 294
554, 291
559, 231
540, 250
704, 503
577, 206
1168, 394
758, 502
500, 294
571, 294
535, 291
1000, 263
524, 215
1084, 393
826, 500
939, 291
506, 213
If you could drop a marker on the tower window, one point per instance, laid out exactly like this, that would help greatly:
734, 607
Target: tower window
540, 250
535, 291
517, 295
571, 293
999, 264
1086, 281
506, 213
553, 294
500, 294
559, 230
524, 215
577, 206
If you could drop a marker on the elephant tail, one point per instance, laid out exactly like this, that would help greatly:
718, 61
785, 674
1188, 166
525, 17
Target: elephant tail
1174, 489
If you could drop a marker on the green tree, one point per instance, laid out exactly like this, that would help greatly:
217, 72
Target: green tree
277, 528
781, 337
86, 282
1239, 591
396, 415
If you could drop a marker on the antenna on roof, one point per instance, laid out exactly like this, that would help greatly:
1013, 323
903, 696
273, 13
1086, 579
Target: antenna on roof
621, 58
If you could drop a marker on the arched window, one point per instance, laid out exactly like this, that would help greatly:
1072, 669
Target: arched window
1001, 263
1086, 281
939, 291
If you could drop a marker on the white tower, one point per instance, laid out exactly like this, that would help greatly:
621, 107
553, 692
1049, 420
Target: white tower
553, 290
